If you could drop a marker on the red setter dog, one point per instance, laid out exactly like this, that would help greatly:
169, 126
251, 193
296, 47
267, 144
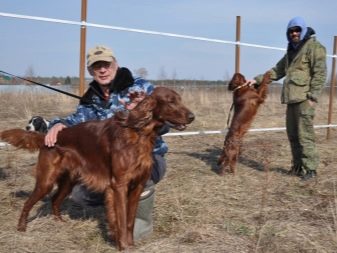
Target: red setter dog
113, 156
246, 101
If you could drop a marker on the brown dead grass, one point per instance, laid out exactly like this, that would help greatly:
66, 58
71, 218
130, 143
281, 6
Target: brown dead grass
260, 209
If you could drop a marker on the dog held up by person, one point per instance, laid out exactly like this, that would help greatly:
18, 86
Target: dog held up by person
246, 101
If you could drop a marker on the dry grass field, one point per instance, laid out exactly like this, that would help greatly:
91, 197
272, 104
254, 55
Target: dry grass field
260, 209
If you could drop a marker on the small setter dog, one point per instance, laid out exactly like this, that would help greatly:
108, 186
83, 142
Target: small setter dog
113, 156
246, 101
38, 124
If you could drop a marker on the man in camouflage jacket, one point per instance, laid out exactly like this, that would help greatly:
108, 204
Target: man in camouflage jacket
304, 70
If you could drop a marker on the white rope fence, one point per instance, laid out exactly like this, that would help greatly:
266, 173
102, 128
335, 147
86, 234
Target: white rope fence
270, 129
119, 28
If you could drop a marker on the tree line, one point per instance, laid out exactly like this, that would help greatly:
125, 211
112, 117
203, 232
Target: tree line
45, 80
7, 80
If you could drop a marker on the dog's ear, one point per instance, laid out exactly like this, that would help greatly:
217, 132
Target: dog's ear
237, 80
141, 115
44, 128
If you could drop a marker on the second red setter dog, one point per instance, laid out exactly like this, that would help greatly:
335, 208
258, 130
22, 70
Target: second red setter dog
113, 156
246, 101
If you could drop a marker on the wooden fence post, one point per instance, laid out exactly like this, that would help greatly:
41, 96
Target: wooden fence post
237, 47
332, 86
82, 47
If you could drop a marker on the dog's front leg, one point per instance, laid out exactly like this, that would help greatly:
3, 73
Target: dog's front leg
110, 213
133, 201
263, 88
120, 206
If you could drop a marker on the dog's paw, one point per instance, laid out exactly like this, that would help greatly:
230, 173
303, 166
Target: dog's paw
21, 227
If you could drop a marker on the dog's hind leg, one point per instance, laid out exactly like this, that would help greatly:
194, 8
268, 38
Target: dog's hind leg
235, 151
233, 161
42, 188
64, 187
222, 162
47, 171
223, 159
226, 155
229, 155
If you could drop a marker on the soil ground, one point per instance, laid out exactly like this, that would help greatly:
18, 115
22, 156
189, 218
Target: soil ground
259, 209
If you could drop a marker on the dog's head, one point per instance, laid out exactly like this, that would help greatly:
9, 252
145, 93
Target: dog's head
237, 80
163, 106
38, 124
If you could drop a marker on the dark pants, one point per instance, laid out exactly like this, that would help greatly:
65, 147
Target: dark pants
85, 197
301, 135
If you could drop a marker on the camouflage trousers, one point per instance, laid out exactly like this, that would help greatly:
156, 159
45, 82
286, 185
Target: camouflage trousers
301, 135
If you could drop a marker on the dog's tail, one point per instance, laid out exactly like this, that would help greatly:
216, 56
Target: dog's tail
23, 139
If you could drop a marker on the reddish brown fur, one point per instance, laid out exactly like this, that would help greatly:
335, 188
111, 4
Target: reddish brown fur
113, 156
246, 101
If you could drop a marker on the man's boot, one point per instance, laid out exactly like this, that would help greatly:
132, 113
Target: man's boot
144, 223
295, 170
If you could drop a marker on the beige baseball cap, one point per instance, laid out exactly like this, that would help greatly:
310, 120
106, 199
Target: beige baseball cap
99, 53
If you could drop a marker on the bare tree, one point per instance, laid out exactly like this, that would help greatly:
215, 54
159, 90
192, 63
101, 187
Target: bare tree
29, 74
162, 74
174, 74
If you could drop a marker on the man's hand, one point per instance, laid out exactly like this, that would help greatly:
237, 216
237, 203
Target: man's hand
311, 103
135, 98
51, 137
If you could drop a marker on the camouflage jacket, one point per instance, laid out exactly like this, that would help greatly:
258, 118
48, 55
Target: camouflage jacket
93, 105
305, 76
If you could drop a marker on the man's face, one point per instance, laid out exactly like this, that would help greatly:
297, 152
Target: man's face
295, 34
103, 72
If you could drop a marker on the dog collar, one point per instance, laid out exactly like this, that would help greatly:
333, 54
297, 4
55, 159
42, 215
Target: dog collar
243, 85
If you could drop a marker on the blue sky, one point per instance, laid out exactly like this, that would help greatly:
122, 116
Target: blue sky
52, 49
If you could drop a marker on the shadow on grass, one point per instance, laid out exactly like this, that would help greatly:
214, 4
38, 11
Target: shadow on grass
3, 174
74, 210
210, 157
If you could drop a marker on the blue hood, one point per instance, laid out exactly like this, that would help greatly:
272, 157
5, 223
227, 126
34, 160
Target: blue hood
297, 21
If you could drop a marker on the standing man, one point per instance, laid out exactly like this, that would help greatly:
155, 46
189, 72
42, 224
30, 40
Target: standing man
304, 69
108, 93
